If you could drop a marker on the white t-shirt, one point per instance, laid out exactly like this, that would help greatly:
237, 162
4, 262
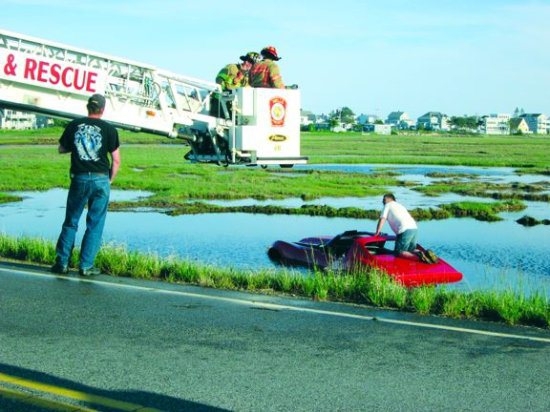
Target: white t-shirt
398, 217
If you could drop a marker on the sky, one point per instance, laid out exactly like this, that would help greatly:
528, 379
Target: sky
458, 57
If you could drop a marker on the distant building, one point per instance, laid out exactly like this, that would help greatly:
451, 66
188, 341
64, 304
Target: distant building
43, 121
518, 125
400, 120
342, 127
433, 121
496, 124
307, 118
15, 120
367, 119
377, 128
538, 123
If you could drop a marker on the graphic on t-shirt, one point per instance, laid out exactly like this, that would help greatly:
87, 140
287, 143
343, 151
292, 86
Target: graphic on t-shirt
87, 141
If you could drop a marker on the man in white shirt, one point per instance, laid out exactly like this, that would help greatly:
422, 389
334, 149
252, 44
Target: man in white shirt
405, 228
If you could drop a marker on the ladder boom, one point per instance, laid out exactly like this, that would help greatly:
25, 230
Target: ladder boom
50, 78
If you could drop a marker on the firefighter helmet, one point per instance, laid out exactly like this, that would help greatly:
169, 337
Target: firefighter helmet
270, 52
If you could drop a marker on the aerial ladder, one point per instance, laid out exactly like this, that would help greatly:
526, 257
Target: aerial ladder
250, 126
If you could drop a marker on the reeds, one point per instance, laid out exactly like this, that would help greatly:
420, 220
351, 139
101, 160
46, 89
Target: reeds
363, 287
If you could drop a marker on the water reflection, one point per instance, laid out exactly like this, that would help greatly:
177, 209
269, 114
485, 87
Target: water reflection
409, 197
491, 255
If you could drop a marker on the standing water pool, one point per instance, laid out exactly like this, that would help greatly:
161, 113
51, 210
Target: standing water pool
491, 255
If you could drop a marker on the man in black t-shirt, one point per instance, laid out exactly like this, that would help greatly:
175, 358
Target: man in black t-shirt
95, 160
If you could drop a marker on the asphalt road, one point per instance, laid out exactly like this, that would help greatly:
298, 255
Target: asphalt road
122, 344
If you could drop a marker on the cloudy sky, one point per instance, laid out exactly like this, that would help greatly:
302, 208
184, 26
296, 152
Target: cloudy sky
374, 56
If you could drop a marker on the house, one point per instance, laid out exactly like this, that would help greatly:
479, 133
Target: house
13, 119
433, 121
307, 118
400, 120
367, 119
377, 128
341, 127
495, 124
518, 125
538, 123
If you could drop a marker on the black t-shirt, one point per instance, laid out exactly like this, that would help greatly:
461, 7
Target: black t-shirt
90, 140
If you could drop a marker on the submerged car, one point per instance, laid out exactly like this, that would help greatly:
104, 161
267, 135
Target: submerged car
352, 250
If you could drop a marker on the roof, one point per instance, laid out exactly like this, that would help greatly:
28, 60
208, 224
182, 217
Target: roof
530, 115
432, 114
396, 114
515, 122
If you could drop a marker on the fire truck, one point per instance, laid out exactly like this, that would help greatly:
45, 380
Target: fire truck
250, 126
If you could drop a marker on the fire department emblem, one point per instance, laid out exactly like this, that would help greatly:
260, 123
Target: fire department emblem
277, 108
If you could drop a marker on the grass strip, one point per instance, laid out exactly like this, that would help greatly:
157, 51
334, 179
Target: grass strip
364, 287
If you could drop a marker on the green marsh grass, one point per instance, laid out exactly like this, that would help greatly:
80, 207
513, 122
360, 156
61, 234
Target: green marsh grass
179, 186
523, 152
527, 153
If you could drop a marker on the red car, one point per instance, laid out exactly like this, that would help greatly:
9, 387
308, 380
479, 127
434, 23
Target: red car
352, 248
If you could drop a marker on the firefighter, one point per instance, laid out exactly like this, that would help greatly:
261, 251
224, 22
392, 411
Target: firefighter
236, 75
266, 72
232, 76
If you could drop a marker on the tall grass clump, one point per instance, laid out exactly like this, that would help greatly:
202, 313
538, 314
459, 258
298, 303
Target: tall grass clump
512, 308
27, 249
380, 290
424, 299
283, 281
535, 311
118, 261
456, 304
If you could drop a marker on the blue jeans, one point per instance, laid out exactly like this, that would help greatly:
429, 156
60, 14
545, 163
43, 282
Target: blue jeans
92, 190
406, 241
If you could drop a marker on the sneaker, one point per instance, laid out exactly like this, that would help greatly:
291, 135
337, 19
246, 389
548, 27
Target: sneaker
432, 256
59, 269
423, 258
93, 271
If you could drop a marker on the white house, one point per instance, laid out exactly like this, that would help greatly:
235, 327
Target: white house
367, 119
400, 120
433, 121
496, 124
377, 128
12, 119
538, 123
307, 118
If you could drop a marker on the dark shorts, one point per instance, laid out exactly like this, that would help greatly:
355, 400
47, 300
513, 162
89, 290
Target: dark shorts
406, 241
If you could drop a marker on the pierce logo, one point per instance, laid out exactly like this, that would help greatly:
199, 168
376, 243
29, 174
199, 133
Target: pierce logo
277, 138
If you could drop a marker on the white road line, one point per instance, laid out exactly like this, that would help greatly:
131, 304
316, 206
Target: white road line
276, 306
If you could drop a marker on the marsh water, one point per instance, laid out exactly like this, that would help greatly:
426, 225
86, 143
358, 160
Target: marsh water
491, 255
